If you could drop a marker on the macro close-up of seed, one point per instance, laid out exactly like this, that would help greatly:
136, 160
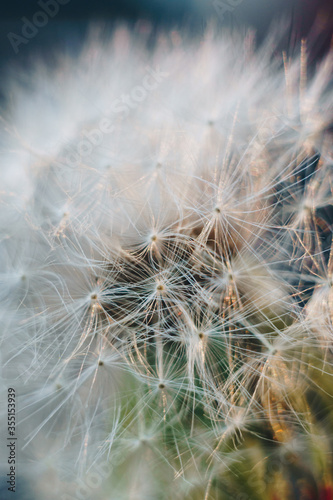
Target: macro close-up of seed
166, 262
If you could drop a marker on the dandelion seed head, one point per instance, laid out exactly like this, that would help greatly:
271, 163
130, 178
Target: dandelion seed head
166, 292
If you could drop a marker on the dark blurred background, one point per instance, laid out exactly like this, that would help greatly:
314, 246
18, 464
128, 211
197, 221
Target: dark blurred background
311, 18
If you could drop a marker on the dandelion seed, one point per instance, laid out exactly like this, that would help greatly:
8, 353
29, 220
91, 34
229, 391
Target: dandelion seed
166, 301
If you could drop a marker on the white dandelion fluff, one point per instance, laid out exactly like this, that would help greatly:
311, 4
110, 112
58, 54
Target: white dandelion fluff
166, 266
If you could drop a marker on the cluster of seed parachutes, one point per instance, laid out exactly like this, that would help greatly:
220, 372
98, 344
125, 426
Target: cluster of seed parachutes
167, 302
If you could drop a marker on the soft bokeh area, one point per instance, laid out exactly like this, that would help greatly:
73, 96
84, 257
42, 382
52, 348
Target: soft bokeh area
166, 251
